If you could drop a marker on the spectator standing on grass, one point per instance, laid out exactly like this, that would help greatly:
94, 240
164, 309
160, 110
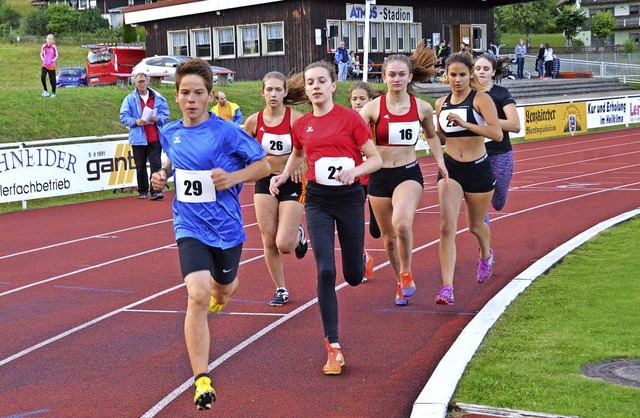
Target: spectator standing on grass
487, 69
342, 59
540, 61
395, 190
465, 118
227, 110
279, 217
209, 158
332, 138
520, 51
49, 58
144, 135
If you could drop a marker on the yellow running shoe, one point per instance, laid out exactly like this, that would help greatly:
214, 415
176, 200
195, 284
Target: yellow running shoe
215, 307
205, 395
335, 359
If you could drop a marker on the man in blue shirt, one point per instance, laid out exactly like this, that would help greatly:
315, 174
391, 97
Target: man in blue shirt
342, 58
209, 159
520, 51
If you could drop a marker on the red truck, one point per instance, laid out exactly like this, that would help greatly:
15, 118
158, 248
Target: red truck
104, 61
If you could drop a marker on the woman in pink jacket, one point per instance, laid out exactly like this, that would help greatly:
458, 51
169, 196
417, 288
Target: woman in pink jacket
49, 57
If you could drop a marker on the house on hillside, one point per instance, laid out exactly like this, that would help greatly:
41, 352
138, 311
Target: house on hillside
254, 37
627, 14
111, 9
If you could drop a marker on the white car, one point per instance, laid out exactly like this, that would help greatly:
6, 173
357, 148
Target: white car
166, 64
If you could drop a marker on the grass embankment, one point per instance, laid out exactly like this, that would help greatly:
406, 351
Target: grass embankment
583, 311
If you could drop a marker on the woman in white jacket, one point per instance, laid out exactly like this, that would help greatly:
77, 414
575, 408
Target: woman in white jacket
548, 61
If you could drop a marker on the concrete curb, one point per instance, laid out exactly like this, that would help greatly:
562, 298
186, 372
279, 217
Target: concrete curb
434, 398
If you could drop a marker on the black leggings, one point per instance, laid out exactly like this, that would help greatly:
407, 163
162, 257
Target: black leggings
52, 79
329, 208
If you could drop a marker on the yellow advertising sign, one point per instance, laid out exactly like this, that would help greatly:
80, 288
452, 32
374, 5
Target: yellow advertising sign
555, 120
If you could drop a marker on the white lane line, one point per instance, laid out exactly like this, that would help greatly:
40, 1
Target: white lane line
189, 382
221, 313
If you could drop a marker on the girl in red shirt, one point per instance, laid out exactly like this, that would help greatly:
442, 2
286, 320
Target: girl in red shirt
333, 139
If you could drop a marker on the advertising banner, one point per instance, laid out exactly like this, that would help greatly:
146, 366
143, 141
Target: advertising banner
37, 172
555, 120
607, 112
380, 13
634, 109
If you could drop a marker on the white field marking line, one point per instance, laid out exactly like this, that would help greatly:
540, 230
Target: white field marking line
182, 312
83, 239
98, 236
527, 186
71, 273
100, 318
189, 382
85, 325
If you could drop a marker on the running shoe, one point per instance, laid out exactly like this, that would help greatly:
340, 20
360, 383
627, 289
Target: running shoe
303, 245
53, 96
401, 299
45, 94
205, 395
485, 268
408, 285
368, 266
142, 196
280, 297
335, 359
157, 196
445, 296
215, 307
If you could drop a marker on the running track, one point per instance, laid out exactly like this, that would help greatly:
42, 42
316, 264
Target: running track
92, 303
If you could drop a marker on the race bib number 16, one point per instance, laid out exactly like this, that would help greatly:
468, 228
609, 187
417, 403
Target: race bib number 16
194, 186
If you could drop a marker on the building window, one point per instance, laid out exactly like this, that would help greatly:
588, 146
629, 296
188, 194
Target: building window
634, 10
177, 42
478, 39
415, 34
332, 35
360, 36
225, 46
273, 38
346, 35
375, 37
402, 37
387, 37
201, 43
248, 40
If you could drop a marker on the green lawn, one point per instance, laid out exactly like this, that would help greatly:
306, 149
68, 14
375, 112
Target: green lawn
585, 310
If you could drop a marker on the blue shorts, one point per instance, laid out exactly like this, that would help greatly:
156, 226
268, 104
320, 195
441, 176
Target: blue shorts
197, 256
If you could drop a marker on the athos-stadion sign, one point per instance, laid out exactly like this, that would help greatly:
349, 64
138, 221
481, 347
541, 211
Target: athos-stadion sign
380, 13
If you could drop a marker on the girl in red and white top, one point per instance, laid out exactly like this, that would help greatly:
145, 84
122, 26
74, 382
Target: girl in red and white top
396, 189
279, 217
49, 57
333, 139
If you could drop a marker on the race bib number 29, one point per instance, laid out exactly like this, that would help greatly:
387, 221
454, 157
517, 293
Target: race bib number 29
327, 168
194, 186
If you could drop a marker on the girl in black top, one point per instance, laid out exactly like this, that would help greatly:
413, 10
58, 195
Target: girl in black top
486, 69
464, 119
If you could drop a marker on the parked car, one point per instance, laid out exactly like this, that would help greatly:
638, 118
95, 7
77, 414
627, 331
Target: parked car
160, 64
72, 77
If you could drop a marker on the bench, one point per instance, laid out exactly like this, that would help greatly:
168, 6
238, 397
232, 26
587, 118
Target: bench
575, 74
374, 75
122, 79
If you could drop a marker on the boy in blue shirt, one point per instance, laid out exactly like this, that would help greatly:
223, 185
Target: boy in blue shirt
209, 158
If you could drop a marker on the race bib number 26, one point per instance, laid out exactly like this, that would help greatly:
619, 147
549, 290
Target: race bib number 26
194, 186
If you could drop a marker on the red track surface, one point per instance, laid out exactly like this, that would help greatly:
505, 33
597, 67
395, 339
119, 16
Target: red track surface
92, 303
